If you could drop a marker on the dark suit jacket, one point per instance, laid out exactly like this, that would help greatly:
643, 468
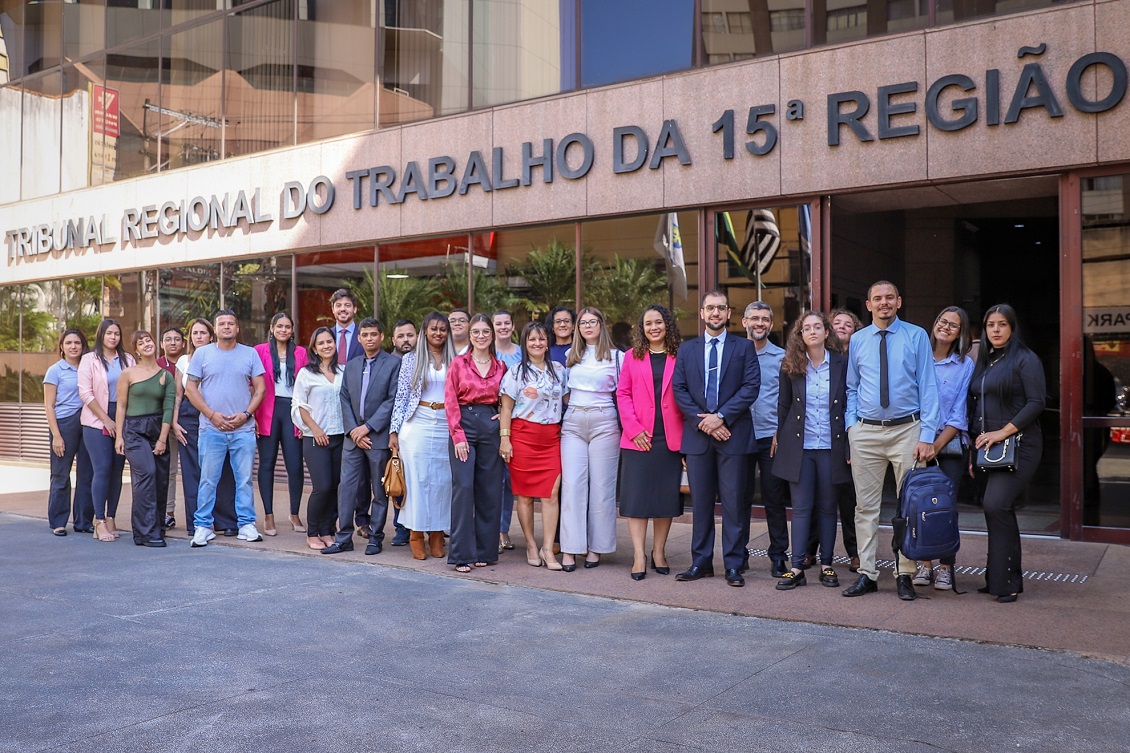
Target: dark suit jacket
355, 348
377, 411
738, 385
791, 410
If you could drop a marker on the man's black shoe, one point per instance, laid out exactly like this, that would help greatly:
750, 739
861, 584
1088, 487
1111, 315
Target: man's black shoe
779, 567
231, 532
374, 547
155, 543
695, 573
906, 588
734, 578
863, 585
338, 547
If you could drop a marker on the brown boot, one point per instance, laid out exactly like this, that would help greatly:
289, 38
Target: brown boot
435, 543
416, 542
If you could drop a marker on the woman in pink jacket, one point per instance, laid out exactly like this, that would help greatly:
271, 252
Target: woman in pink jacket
652, 435
98, 373
282, 360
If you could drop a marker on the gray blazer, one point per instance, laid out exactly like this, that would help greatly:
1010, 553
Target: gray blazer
377, 411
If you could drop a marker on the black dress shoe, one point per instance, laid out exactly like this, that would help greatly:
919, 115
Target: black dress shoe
591, 565
60, 532
695, 573
863, 585
374, 547
568, 568
779, 567
665, 570
1006, 599
84, 529
828, 578
155, 543
639, 576
734, 578
791, 580
906, 588
231, 532
338, 547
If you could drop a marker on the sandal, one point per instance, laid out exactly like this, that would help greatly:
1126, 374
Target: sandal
315, 543
60, 531
480, 564
105, 535
462, 568
113, 527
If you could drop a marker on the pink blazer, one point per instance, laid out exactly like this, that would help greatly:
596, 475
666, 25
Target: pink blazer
266, 411
635, 396
92, 385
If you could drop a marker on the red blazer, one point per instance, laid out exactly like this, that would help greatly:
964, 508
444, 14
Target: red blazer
635, 397
266, 412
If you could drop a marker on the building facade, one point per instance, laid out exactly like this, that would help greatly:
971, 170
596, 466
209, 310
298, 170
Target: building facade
163, 158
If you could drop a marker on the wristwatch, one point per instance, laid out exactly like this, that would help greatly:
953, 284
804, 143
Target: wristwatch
248, 414
720, 416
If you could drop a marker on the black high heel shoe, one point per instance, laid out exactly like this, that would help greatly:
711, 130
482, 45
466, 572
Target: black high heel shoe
639, 576
661, 570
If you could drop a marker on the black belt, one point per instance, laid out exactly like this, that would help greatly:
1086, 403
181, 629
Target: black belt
891, 421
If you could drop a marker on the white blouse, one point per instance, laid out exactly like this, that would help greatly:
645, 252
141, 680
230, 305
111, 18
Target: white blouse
593, 383
537, 398
321, 399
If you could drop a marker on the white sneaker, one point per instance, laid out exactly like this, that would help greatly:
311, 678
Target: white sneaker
249, 533
943, 578
202, 536
924, 576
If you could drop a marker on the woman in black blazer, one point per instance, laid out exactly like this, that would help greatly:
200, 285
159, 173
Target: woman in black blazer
1008, 395
810, 448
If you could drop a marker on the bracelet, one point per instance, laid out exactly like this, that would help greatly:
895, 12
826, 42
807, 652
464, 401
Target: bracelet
504, 433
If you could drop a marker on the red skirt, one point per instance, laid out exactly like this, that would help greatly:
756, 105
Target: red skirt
536, 464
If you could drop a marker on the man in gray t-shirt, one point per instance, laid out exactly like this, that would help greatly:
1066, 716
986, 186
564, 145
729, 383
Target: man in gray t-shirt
225, 383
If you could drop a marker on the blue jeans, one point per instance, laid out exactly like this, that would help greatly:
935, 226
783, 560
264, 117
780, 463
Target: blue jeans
214, 446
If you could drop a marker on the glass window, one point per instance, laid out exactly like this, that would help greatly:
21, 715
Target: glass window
257, 289
42, 129
179, 11
1106, 351
846, 20
82, 144
131, 115
42, 38
11, 106
84, 28
956, 11
259, 79
128, 297
9, 45
187, 292
740, 29
318, 275
633, 39
131, 19
526, 271
336, 85
629, 263
418, 276
190, 118
518, 50
424, 66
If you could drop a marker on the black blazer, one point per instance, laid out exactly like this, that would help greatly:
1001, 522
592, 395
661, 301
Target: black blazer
791, 410
377, 411
738, 384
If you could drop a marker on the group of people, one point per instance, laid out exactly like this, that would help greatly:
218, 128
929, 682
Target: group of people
484, 426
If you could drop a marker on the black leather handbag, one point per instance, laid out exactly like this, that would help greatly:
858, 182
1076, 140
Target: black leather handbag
1000, 456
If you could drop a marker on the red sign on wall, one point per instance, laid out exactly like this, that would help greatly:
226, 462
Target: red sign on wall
105, 105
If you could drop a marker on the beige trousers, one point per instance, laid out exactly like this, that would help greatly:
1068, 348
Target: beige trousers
873, 448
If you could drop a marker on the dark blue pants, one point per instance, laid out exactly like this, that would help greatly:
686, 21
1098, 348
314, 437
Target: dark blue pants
362, 495
224, 513
814, 496
774, 496
715, 475
282, 434
107, 465
476, 489
59, 505
149, 474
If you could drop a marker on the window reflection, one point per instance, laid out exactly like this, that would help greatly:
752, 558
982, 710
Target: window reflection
84, 27
189, 120
256, 289
418, 276
127, 20
740, 29
11, 110
424, 68
42, 38
956, 11
259, 79
632, 39
318, 275
130, 149
42, 134
187, 292
526, 271
336, 82
518, 50
83, 145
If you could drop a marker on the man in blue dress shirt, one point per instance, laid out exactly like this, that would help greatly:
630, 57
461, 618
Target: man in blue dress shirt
892, 419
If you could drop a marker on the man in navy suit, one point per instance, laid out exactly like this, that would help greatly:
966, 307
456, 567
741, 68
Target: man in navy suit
716, 380
344, 307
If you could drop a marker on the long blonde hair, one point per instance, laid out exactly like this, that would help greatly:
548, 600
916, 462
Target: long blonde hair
580, 345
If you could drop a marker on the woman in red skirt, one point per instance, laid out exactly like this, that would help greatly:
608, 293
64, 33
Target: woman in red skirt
530, 425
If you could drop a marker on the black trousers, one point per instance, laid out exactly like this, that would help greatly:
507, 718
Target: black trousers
149, 476
845, 503
59, 504
223, 515
1003, 571
282, 435
774, 496
362, 493
715, 475
476, 489
107, 466
324, 465
814, 506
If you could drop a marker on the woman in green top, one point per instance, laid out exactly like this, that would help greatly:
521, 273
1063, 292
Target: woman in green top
145, 412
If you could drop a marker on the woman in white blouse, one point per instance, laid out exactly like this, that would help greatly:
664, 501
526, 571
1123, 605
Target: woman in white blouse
316, 411
590, 444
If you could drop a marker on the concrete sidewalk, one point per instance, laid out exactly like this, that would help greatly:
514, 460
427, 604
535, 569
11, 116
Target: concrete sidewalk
1076, 595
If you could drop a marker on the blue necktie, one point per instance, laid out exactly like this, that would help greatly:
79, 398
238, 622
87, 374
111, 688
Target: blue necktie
712, 377
365, 382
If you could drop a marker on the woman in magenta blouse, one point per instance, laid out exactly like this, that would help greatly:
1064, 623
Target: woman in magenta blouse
471, 398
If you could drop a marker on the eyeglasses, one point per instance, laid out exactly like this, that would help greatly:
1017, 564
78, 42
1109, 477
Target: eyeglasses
559, 322
712, 308
948, 325
588, 323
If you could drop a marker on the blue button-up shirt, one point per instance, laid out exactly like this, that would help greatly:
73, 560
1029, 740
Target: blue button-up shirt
764, 409
954, 373
713, 376
817, 421
912, 381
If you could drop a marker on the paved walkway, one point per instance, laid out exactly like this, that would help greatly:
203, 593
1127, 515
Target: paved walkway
1076, 597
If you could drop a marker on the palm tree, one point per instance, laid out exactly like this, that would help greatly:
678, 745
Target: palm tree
626, 288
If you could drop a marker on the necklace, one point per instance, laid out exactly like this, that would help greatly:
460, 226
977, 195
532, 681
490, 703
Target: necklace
481, 363
657, 352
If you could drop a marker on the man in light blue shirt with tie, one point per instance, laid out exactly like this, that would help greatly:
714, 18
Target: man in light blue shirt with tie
892, 419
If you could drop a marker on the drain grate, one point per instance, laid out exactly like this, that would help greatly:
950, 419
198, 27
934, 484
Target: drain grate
961, 569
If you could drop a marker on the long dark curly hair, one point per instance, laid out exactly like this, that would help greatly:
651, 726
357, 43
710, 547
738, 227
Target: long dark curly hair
671, 342
795, 362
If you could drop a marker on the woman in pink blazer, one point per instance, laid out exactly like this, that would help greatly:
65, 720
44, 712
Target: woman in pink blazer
652, 465
281, 361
